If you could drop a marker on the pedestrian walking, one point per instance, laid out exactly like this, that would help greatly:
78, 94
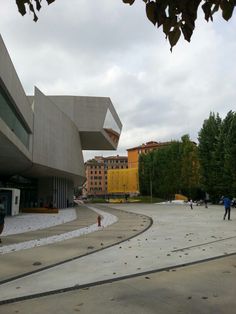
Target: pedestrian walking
227, 205
99, 220
2, 218
191, 204
206, 200
233, 203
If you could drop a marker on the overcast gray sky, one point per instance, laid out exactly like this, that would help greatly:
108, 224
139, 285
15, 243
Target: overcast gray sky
107, 48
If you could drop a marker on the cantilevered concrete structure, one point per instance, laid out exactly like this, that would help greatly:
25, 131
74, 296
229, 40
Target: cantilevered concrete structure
42, 138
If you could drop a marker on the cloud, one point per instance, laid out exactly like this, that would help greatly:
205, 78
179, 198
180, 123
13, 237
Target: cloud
106, 48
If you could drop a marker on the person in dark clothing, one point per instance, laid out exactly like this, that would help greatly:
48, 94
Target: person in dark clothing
233, 203
2, 218
99, 220
191, 203
227, 205
206, 199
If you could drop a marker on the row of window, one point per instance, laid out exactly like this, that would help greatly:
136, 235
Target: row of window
145, 151
107, 163
96, 178
95, 167
114, 161
95, 172
96, 183
112, 167
95, 189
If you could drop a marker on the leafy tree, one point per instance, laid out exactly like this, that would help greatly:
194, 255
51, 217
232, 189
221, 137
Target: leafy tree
217, 155
223, 171
208, 143
145, 174
33, 6
170, 170
176, 17
230, 154
190, 167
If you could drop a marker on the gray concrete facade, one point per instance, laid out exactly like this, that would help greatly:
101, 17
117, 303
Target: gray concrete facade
42, 137
14, 156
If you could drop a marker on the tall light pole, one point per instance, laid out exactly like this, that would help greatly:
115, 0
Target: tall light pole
150, 187
150, 178
124, 191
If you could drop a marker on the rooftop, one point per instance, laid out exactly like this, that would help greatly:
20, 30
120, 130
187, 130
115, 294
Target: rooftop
151, 144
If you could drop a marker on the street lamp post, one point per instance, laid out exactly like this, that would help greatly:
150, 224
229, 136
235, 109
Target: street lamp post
150, 187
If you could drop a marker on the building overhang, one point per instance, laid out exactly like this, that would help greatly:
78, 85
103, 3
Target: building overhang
40, 171
13, 159
98, 123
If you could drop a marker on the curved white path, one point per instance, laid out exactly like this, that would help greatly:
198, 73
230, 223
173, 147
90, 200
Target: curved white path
107, 219
179, 235
31, 222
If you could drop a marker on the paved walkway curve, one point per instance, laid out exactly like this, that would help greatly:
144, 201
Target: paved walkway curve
127, 277
22, 263
107, 219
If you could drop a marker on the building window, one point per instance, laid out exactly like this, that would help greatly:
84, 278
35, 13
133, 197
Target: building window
10, 116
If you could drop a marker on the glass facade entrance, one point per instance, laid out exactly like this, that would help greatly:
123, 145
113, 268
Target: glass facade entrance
28, 190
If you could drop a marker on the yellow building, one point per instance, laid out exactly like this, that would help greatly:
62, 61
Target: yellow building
122, 181
96, 174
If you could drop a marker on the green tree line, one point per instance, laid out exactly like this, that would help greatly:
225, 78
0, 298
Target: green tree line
217, 155
190, 169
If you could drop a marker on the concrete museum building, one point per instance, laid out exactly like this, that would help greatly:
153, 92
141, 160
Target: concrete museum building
42, 138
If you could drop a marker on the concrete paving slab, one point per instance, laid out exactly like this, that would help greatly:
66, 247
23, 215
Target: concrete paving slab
26, 261
178, 236
204, 288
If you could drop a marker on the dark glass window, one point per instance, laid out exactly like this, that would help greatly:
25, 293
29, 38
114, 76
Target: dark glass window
12, 119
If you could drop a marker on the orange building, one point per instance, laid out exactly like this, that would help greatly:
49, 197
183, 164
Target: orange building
96, 173
133, 153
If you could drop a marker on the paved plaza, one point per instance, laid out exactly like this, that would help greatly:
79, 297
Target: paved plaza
153, 258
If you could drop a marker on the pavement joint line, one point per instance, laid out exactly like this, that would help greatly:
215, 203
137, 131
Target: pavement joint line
201, 244
80, 256
107, 281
